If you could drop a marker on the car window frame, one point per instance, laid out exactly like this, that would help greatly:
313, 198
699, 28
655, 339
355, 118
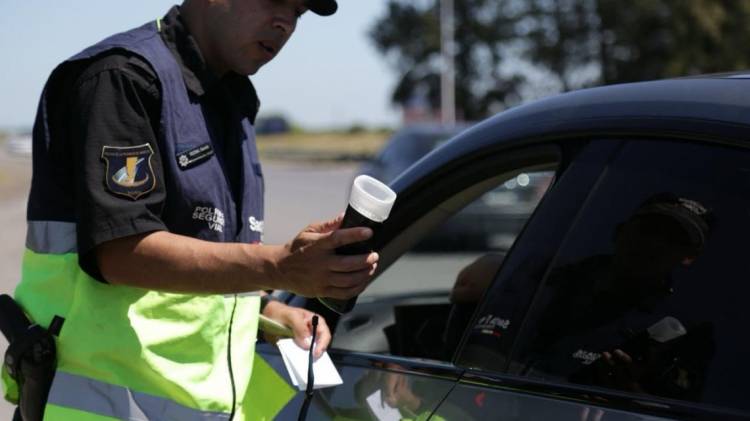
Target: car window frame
595, 395
582, 166
654, 400
414, 214
424, 205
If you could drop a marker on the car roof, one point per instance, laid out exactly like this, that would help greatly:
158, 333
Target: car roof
711, 107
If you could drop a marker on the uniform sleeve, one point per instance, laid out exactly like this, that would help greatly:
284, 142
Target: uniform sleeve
119, 178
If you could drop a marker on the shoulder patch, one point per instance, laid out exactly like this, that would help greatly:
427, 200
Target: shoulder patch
129, 172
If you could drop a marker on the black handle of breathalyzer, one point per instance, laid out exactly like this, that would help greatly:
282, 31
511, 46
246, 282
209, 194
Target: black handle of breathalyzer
370, 203
352, 219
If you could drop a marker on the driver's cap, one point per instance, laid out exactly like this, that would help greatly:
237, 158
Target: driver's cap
322, 7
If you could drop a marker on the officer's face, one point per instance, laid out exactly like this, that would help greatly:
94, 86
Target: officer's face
243, 35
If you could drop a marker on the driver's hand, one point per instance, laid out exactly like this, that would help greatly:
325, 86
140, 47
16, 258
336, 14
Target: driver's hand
473, 280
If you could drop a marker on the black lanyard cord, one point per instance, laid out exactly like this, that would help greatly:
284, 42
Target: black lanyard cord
310, 374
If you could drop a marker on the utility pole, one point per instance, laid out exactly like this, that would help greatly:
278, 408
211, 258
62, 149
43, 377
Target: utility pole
448, 74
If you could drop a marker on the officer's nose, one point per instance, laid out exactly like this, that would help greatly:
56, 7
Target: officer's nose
285, 24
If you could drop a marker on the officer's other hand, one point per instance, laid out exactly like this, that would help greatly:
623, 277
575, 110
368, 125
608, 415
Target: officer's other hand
309, 266
300, 320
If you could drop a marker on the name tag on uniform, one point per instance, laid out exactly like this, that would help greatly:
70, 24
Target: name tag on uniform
195, 156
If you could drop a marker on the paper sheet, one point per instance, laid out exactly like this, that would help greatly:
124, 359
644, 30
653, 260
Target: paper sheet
295, 360
380, 410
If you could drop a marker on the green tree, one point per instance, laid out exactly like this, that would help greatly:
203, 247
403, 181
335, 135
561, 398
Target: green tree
409, 36
651, 39
510, 50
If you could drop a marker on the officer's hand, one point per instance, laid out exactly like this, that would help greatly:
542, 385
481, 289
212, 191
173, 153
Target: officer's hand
308, 265
300, 320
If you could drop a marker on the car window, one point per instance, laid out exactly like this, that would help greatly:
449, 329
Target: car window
420, 306
648, 292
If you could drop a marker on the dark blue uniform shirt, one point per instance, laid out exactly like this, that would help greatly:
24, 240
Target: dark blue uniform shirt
101, 103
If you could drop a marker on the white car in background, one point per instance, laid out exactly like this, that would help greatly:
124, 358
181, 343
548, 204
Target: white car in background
19, 145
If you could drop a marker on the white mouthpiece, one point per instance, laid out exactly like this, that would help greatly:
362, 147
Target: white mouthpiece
666, 329
371, 198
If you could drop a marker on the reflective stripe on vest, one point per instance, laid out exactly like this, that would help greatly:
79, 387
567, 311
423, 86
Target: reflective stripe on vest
51, 237
89, 395
81, 399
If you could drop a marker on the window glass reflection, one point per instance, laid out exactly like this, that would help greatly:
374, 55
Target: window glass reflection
648, 293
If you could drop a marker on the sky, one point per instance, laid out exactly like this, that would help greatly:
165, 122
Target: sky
329, 75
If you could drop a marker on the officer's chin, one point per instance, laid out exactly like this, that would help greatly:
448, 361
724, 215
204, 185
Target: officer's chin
249, 68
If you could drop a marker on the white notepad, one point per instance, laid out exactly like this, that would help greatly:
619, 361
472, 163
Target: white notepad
295, 360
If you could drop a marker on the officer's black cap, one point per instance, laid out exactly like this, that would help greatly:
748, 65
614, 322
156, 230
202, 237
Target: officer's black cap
694, 218
322, 7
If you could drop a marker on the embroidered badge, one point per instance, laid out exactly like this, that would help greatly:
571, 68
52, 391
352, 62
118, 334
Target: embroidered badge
129, 171
195, 156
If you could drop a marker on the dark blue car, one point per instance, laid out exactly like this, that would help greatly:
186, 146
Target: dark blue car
623, 297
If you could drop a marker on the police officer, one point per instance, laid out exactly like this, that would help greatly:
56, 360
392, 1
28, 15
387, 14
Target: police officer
146, 213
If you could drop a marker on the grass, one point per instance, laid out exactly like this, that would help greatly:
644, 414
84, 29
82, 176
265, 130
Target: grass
321, 146
330, 146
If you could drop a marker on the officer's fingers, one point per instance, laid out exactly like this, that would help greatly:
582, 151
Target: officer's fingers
334, 223
346, 236
326, 226
302, 331
622, 356
305, 238
607, 357
352, 263
323, 338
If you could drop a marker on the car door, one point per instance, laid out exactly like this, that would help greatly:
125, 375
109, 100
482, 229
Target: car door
391, 350
621, 300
